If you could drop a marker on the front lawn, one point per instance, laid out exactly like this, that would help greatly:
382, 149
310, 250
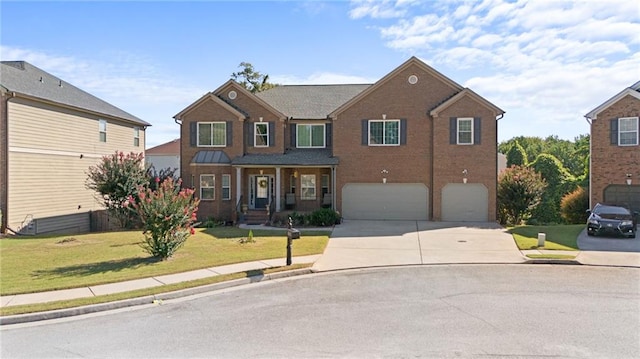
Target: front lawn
35, 264
559, 237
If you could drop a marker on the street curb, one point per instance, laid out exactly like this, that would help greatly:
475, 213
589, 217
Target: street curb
149, 299
552, 261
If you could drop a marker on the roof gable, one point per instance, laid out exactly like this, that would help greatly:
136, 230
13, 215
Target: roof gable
413, 61
466, 93
24, 79
237, 87
633, 90
211, 97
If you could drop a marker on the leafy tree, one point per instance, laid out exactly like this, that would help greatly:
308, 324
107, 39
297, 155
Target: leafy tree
117, 178
168, 215
559, 182
574, 205
251, 79
520, 190
516, 156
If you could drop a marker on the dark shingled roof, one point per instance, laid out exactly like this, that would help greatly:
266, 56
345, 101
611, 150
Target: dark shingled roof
297, 157
310, 101
210, 157
23, 78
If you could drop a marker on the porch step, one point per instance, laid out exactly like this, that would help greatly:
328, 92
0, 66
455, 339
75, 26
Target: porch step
256, 216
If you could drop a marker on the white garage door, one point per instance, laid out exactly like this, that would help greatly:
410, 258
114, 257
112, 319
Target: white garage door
465, 202
385, 201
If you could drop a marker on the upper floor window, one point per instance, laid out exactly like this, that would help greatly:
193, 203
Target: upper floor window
212, 134
628, 131
207, 187
136, 136
384, 132
310, 136
102, 128
465, 131
261, 133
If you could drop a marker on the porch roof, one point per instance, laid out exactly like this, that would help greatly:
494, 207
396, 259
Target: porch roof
210, 157
297, 157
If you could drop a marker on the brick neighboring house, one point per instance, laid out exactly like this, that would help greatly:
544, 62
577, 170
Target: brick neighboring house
615, 150
50, 133
415, 145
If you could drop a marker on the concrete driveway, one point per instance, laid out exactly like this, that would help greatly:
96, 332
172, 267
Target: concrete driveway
608, 250
358, 244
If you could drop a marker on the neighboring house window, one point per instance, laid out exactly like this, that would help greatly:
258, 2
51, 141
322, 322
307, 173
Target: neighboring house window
207, 187
212, 134
310, 136
102, 128
226, 187
628, 131
261, 134
136, 136
308, 187
325, 184
465, 131
384, 132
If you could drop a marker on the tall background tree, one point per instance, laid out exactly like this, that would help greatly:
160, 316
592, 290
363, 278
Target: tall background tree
251, 79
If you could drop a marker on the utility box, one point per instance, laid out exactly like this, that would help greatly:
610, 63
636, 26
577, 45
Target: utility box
541, 238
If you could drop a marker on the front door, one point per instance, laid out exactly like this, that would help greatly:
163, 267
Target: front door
262, 192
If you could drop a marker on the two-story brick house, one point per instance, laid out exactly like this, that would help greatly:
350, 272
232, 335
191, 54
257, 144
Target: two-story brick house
51, 132
414, 145
615, 150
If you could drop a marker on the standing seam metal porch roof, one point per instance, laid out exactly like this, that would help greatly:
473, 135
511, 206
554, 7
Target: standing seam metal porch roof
294, 157
310, 102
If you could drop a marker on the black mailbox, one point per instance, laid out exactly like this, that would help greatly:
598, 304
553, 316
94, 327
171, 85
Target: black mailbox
293, 233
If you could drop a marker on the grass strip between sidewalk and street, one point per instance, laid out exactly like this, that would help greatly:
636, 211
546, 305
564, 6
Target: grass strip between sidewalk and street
558, 237
37, 264
65, 304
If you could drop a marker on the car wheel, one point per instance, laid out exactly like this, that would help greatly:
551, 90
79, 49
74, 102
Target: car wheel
590, 234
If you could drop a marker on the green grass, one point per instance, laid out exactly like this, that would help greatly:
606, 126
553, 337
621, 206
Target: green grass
41, 307
35, 264
558, 237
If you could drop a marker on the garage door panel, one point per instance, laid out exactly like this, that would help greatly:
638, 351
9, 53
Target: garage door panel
623, 195
389, 201
465, 202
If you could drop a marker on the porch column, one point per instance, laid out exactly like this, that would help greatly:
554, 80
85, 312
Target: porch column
278, 189
238, 183
333, 188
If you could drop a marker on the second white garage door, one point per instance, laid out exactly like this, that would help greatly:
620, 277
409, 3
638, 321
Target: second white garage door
465, 202
385, 201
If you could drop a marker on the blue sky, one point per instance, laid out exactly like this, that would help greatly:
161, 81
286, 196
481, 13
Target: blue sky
546, 63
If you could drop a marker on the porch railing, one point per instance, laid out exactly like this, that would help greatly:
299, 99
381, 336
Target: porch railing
239, 213
272, 207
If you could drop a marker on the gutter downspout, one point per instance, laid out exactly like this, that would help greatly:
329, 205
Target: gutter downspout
179, 122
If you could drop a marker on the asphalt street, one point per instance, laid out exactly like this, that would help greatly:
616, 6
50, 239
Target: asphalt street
441, 311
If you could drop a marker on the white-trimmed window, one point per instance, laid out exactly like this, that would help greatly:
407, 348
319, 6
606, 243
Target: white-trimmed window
136, 136
261, 134
102, 128
308, 187
207, 187
384, 132
324, 182
310, 136
465, 131
226, 187
628, 131
212, 134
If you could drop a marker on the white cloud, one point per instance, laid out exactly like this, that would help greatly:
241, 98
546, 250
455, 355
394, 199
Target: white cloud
378, 9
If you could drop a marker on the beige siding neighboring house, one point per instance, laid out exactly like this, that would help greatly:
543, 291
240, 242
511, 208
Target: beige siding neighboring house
166, 155
52, 132
615, 150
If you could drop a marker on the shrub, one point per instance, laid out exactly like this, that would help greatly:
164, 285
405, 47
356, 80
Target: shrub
559, 182
167, 216
324, 217
516, 156
519, 192
574, 205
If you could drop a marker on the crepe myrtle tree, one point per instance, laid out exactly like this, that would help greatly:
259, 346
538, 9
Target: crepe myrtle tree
168, 215
520, 190
116, 178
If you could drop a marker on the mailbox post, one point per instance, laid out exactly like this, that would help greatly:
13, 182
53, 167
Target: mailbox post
292, 234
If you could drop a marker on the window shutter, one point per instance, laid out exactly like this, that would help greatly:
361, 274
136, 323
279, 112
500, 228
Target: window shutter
229, 133
453, 130
193, 134
614, 131
293, 129
272, 134
365, 132
477, 135
328, 142
252, 137
403, 131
